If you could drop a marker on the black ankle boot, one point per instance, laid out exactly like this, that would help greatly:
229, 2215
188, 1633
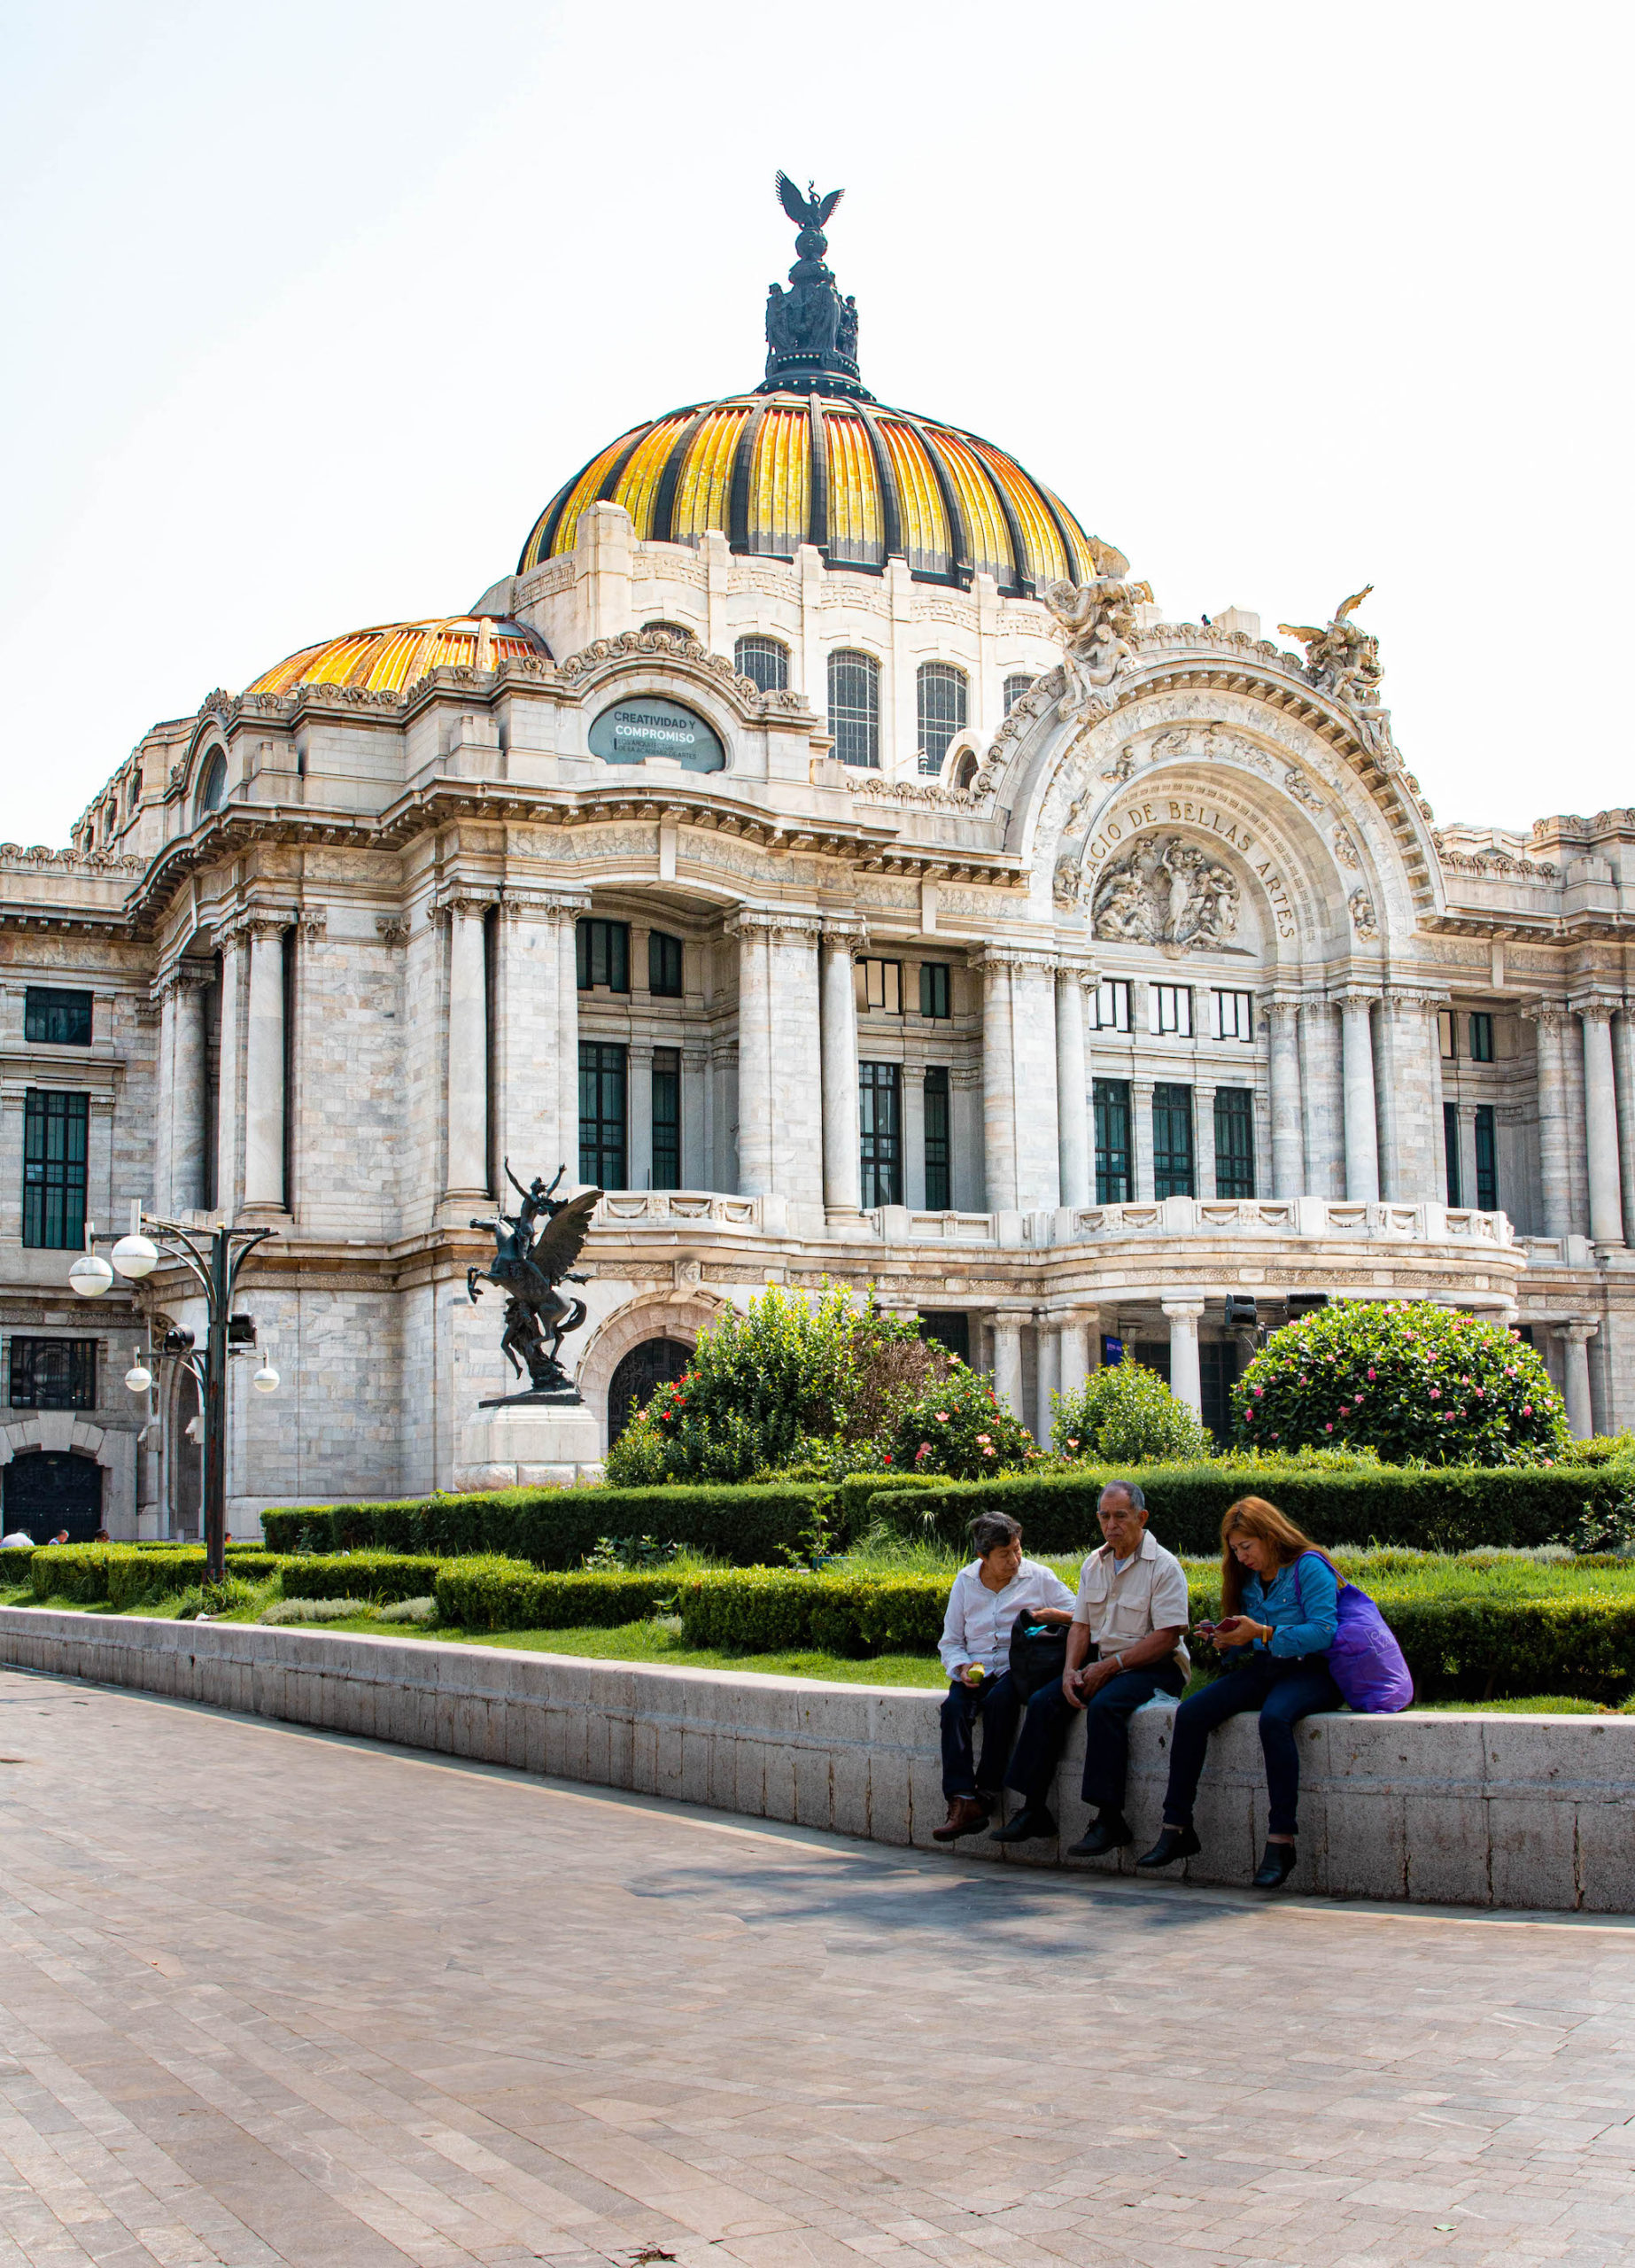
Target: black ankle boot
1033, 1824
1174, 1842
1275, 1866
1111, 1832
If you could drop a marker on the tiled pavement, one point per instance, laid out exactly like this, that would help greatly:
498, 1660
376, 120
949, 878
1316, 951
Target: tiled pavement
272, 1997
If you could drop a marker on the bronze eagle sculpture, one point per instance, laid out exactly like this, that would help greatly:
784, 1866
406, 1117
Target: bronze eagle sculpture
808, 212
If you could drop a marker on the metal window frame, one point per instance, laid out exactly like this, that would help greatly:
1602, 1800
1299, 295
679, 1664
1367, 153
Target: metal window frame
595, 931
1480, 1020
1115, 987
1486, 1130
22, 1378
757, 646
939, 1140
937, 734
1156, 1024
39, 1183
880, 1148
860, 719
1236, 1116
602, 1148
936, 978
659, 941
1167, 1180
890, 981
1447, 1034
41, 1001
1017, 686
1450, 1154
1243, 1014
666, 1122
1111, 1097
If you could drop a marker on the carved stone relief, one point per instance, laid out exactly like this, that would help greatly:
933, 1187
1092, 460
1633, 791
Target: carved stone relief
1362, 914
1344, 848
1166, 892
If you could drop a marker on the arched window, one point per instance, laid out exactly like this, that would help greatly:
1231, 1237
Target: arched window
675, 629
213, 785
644, 1369
1018, 683
765, 659
854, 708
965, 771
941, 695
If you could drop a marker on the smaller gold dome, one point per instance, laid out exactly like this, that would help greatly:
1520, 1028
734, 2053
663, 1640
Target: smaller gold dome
395, 654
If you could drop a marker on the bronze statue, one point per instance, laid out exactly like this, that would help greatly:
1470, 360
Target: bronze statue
811, 331
527, 1268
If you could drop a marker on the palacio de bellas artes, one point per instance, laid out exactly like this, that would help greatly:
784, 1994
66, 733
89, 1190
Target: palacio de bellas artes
825, 845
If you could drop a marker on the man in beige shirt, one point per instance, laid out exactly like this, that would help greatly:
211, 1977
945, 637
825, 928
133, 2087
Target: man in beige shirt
1127, 1643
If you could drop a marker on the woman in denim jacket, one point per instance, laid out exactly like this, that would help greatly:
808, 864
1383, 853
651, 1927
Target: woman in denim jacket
1280, 1609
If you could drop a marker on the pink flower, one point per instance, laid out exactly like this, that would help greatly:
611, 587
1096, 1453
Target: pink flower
1527, 1409
1327, 1429
1070, 1442
1259, 1390
1435, 1394
988, 1452
887, 1457
1480, 1394
981, 1437
1370, 1375
941, 1417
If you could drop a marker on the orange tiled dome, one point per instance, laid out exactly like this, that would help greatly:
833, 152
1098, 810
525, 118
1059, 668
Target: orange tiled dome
394, 655
774, 469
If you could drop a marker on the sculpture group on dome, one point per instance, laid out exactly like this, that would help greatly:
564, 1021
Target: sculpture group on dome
811, 331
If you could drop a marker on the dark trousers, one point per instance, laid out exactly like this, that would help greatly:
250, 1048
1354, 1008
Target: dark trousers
996, 1701
1283, 1691
1106, 1734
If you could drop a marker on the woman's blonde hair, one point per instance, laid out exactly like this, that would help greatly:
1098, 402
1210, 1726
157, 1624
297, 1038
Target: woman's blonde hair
1254, 1516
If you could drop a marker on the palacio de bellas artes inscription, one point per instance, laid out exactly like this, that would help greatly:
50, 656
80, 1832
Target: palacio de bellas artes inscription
829, 850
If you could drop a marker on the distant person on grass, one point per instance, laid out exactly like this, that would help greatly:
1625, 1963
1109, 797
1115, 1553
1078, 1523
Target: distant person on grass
1127, 1644
1279, 1611
975, 1646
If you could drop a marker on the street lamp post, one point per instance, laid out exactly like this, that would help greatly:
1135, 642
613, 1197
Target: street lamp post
215, 1265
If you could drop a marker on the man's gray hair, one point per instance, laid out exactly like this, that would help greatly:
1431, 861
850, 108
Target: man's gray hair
992, 1531
1131, 1489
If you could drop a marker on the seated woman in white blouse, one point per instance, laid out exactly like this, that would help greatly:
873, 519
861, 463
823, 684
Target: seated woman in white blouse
975, 1647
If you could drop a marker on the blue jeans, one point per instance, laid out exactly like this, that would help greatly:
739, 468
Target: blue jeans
996, 1701
1106, 1736
1283, 1691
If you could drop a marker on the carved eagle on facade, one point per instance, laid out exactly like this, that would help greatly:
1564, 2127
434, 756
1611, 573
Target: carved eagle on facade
808, 212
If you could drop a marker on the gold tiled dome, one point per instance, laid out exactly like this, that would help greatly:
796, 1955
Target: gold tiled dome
774, 469
394, 655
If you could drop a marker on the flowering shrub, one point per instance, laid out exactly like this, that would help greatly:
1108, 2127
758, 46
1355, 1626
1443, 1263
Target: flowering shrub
1415, 1382
762, 1388
1126, 1415
959, 1428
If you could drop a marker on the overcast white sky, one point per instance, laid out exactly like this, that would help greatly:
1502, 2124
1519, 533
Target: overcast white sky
311, 307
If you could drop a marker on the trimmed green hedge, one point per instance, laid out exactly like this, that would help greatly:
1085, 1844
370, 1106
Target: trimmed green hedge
556, 1527
485, 1592
381, 1577
14, 1564
1451, 1508
121, 1575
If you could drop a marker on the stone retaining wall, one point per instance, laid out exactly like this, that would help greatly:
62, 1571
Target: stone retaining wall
1519, 1812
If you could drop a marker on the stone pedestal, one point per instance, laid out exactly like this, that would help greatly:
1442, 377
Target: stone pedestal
548, 1447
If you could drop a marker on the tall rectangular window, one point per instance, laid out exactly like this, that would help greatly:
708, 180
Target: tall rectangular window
666, 1118
1216, 1364
854, 708
1481, 1038
1450, 1151
1447, 1034
59, 1018
1169, 1009
939, 1157
1112, 1004
880, 985
53, 1374
603, 949
55, 1129
933, 988
939, 693
1487, 1159
1111, 1100
1232, 1015
663, 965
1172, 1142
603, 1117
1235, 1142
879, 1110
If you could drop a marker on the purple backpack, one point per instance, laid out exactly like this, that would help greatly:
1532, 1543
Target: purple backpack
1365, 1660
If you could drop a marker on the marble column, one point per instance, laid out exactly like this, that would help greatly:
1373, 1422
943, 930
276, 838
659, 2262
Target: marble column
1203, 1138
1142, 1173
468, 1053
1077, 1331
1574, 1344
754, 1058
1362, 1152
534, 1039
1281, 1018
1554, 1160
1008, 1362
1601, 1123
186, 1006
1467, 1153
841, 1138
235, 952
998, 1116
1072, 1094
264, 1057
1185, 1378
1624, 1079
1047, 1378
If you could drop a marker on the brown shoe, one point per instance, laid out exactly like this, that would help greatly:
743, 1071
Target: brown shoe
965, 1815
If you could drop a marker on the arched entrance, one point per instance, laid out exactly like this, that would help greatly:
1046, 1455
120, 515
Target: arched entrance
651, 1364
47, 1490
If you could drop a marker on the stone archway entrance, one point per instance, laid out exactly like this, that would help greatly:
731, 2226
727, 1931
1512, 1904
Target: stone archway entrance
47, 1490
652, 1364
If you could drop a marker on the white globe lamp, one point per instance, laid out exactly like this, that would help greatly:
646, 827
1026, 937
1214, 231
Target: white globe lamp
136, 1255
266, 1379
90, 1275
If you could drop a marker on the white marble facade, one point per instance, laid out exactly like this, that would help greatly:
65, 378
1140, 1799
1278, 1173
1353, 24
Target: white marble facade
332, 993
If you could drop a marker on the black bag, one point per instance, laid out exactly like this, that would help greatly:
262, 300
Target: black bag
1038, 1654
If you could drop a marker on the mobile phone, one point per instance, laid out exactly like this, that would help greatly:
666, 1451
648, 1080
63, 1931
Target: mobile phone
1204, 1630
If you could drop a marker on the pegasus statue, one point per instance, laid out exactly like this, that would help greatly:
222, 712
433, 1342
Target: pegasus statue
527, 1265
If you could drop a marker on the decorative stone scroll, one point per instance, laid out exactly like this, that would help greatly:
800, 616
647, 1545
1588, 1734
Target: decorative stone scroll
1166, 892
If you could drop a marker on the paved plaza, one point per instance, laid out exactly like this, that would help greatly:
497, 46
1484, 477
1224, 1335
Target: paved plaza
270, 1996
